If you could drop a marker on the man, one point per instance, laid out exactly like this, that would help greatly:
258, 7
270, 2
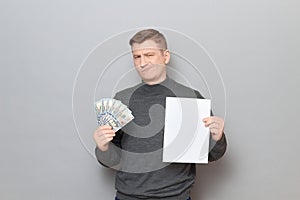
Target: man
146, 177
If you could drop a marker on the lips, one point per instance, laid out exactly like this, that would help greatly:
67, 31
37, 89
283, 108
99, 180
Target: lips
145, 68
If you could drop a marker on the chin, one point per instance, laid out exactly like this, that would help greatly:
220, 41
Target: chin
146, 78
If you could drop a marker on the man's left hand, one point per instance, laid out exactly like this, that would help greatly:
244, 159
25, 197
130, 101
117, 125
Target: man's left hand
216, 126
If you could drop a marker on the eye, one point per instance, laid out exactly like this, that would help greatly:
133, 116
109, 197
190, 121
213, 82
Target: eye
136, 56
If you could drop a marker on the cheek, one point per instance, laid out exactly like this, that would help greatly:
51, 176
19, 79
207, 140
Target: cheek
136, 68
136, 63
161, 60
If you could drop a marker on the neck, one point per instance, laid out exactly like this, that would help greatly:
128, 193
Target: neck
158, 81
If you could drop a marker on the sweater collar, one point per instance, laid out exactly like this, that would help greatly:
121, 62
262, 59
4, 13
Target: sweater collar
164, 82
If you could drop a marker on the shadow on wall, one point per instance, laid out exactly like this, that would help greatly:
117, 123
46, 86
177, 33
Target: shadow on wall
107, 176
211, 177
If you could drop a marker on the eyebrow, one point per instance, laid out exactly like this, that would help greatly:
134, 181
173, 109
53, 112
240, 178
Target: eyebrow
144, 53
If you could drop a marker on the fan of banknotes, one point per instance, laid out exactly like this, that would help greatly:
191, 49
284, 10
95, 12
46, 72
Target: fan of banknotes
112, 112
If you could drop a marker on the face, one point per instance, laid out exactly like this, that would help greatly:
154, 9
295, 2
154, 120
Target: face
150, 61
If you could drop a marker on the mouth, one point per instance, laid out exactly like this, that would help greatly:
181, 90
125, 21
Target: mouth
145, 68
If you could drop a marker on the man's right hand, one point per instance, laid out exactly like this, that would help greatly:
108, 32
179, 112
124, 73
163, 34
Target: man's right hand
103, 135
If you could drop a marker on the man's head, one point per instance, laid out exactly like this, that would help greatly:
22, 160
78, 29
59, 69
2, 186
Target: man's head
149, 34
150, 54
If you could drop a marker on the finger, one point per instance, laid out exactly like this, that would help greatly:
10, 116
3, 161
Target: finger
107, 131
212, 123
217, 120
214, 126
105, 127
216, 136
100, 133
206, 119
103, 139
106, 134
215, 130
210, 120
107, 140
103, 143
104, 131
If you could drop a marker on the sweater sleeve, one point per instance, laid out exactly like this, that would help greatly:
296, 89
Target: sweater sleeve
217, 149
112, 156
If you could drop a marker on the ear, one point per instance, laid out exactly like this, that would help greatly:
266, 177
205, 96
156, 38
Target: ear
167, 56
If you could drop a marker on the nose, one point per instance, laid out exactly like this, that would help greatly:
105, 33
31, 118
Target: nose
143, 62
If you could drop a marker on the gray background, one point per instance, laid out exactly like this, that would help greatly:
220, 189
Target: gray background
255, 44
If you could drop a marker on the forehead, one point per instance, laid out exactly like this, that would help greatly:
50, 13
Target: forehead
146, 45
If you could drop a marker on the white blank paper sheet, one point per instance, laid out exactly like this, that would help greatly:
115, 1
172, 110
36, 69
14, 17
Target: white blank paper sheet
186, 139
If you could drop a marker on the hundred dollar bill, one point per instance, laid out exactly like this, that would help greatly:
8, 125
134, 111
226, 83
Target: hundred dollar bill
112, 112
